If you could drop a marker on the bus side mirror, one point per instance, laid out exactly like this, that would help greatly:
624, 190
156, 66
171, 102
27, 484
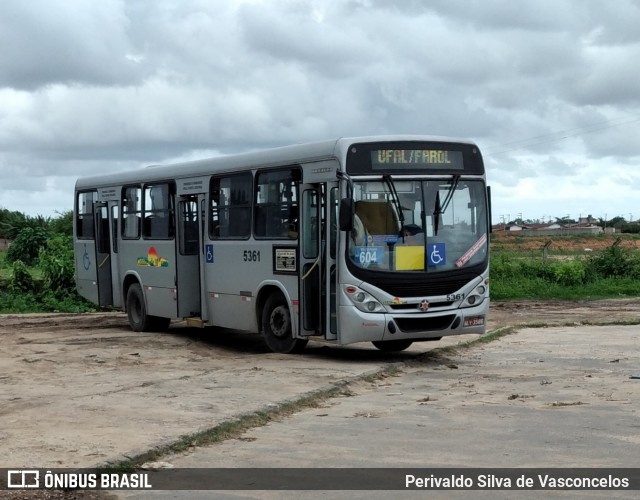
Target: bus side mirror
345, 216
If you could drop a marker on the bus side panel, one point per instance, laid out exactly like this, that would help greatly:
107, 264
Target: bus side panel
154, 262
230, 281
233, 273
86, 275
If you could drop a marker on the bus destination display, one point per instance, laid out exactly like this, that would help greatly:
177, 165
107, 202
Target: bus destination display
424, 158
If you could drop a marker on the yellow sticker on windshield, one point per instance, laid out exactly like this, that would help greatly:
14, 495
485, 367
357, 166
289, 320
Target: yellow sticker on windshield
410, 258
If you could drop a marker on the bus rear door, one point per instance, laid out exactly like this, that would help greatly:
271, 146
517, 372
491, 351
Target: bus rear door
103, 255
189, 244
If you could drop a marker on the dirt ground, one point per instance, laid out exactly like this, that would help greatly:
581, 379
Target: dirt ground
563, 313
502, 314
83, 390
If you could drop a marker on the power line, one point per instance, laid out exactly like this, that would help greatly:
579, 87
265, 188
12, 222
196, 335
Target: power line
565, 134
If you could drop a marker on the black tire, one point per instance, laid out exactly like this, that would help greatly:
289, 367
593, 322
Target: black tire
392, 345
276, 327
139, 320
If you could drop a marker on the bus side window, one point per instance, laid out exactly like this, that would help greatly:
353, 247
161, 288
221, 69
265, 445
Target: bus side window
188, 213
114, 228
103, 235
230, 215
131, 211
158, 212
85, 221
276, 204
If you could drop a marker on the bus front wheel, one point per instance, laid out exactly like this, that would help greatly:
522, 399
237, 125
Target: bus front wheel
276, 326
139, 320
392, 345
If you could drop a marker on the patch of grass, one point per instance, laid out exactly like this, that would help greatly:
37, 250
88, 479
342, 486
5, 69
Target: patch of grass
537, 288
41, 302
612, 273
560, 404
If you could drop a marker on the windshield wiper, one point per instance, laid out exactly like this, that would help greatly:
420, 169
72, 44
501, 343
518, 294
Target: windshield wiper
394, 197
440, 209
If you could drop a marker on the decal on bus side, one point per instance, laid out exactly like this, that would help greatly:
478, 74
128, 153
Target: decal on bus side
208, 253
152, 259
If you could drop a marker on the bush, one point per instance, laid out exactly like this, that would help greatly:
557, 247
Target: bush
614, 272
503, 267
18, 302
570, 273
57, 264
536, 269
26, 247
614, 262
21, 280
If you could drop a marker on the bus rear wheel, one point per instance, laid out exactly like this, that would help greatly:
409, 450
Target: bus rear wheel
139, 320
392, 345
276, 326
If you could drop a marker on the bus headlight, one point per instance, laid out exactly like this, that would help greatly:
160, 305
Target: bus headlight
476, 297
364, 301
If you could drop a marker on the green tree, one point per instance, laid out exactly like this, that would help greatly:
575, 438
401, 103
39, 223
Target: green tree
616, 222
10, 223
63, 223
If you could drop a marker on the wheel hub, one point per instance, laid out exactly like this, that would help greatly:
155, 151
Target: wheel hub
279, 322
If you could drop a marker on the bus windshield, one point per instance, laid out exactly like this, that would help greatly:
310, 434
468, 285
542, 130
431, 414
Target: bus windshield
419, 226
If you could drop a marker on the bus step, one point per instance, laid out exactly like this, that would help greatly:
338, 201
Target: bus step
195, 322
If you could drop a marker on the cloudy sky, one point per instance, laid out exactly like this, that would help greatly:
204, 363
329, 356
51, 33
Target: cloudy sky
549, 89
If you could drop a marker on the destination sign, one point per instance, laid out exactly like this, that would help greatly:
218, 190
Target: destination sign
423, 158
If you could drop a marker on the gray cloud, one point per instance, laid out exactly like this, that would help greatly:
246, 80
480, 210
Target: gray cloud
71, 41
547, 89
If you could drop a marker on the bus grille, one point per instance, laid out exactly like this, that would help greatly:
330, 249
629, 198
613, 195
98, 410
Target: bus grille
424, 289
414, 307
410, 325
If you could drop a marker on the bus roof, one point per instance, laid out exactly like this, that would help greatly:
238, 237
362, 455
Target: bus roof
286, 155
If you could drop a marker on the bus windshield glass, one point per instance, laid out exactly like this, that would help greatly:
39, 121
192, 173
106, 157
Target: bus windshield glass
443, 225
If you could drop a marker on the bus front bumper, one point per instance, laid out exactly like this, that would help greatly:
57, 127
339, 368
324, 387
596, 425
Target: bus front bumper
357, 326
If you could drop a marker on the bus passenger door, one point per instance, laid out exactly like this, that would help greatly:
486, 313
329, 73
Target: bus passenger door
330, 255
188, 257
310, 260
114, 214
103, 255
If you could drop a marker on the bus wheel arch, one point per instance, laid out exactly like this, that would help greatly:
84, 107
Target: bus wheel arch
139, 320
136, 307
277, 324
262, 297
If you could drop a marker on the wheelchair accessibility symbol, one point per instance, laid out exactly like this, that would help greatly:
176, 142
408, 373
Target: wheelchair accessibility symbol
208, 254
437, 255
86, 260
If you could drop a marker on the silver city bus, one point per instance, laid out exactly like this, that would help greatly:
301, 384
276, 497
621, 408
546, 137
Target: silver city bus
378, 239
